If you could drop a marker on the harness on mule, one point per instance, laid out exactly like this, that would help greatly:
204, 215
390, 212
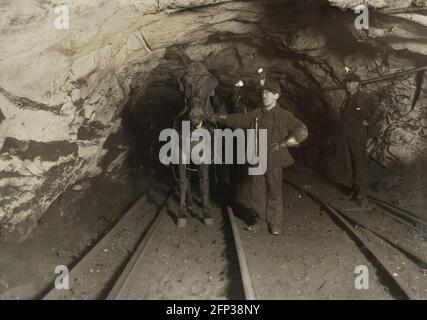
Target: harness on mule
185, 158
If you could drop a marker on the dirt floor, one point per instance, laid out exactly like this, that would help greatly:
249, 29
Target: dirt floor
70, 227
406, 188
399, 264
196, 262
313, 259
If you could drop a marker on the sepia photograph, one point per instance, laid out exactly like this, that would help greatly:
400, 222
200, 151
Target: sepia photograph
213, 155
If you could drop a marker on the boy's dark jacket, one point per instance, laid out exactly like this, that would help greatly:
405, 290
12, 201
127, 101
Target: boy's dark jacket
285, 124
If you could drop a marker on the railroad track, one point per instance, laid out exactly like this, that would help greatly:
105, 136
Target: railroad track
402, 215
121, 286
119, 283
403, 265
389, 209
90, 277
243, 264
124, 284
411, 279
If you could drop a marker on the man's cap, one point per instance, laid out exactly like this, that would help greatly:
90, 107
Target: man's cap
352, 77
272, 86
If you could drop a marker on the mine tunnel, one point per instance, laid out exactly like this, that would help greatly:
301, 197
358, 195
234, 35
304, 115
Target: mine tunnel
87, 89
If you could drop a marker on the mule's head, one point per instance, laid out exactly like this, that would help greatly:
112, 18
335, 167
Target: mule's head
198, 85
196, 116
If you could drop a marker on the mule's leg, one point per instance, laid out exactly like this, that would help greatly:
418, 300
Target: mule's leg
183, 186
204, 190
189, 196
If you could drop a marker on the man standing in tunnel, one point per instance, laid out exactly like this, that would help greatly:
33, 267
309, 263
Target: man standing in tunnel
359, 116
283, 130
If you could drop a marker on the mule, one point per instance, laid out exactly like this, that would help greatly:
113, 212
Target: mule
198, 85
186, 171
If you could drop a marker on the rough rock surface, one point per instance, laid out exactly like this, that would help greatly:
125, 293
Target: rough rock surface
62, 92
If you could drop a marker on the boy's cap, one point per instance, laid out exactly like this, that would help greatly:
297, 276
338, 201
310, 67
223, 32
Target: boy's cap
272, 86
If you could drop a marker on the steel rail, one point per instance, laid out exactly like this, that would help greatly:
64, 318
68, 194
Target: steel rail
126, 274
243, 264
395, 210
410, 219
394, 216
415, 255
377, 255
85, 261
356, 233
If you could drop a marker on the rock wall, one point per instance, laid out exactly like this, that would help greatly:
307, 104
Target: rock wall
62, 91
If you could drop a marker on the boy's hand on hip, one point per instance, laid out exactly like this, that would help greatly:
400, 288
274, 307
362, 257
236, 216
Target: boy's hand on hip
291, 142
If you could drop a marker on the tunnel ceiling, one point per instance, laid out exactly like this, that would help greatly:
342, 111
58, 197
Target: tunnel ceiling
62, 91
